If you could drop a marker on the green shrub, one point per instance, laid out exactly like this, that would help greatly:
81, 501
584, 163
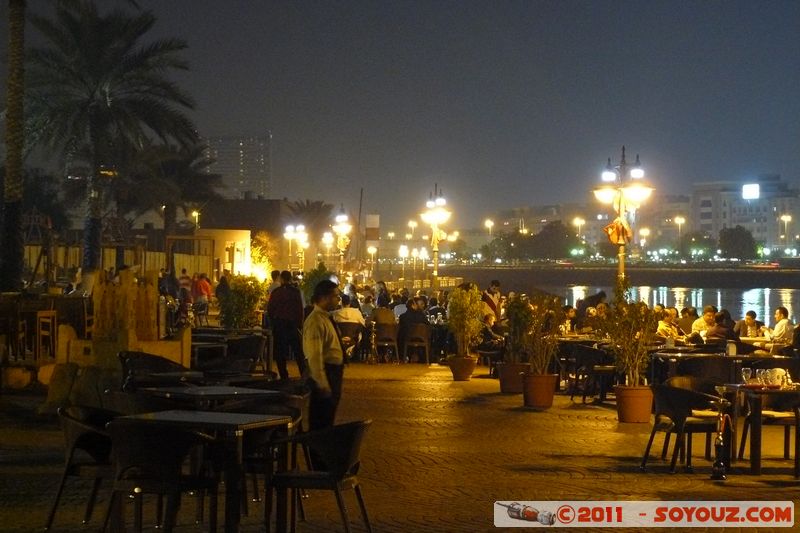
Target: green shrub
240, 309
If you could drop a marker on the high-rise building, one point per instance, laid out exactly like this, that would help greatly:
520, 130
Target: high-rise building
245, 164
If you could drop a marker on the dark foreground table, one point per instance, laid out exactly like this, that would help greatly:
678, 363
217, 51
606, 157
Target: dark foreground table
210, 395
229, 428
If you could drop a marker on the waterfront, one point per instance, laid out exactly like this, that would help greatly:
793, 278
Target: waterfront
737, 301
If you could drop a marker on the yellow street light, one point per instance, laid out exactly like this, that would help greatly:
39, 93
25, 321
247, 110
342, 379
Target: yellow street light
327, 241
390, 235
412, 225
415, 256
372, 250
402, 252
488, 224
342, 229
624, 187
435, 215
644, 233
578, 222
680, 221
786, 219
196, 215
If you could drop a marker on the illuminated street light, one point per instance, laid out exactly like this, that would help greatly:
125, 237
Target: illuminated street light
680, 221
786, 219
412, 225
578, 222
435, 215
402, 252
414, 256
488, 224
196, 215
423, 255
390, 235
327, 241
371, 250
623, 186
342, 230
644, 233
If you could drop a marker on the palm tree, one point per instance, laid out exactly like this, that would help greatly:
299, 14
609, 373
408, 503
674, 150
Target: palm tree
11, 242
314, 214
97, 87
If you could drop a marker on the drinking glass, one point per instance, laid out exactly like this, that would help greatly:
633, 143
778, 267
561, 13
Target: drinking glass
760, 376
747, 373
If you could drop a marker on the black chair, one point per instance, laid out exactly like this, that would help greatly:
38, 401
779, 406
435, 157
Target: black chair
339, 448
138, 367
386, 337
589, 371
87, 451
351, 333
244, 353
673, 414
698, 385
716, 369
775, 412
418, 336
143, 464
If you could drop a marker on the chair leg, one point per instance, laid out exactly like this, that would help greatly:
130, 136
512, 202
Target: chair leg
111, 501
745, 429
665, 449
678, 447
212, 509
92, 498
52, 514
342, 510
689, 451
267, 505
173, 504
243, 503
647, 448
293, 511
363, 507
301, 511
256, 492
708, 447
137, 512
159, 510
797, 443
787, 438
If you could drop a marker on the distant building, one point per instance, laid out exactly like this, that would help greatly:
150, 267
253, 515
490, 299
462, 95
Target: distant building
659, 214
757, 205
245, 164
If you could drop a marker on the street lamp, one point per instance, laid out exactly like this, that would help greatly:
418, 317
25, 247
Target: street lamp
412, 225
403, 253
622, 187
327, 241
435, 215
578, 222
644, 233
414, 256
488, 224
786, 219
390, 235
423, 255
680, 221
371, 250
196, 215
342, 230
289, 235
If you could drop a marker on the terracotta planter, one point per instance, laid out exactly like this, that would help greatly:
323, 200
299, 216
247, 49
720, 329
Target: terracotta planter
634, 404
462, 367
510, 375
538, 390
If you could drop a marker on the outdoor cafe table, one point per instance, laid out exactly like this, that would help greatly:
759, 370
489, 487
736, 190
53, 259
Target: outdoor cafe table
674, 356
229, 428
755, 398
209, 395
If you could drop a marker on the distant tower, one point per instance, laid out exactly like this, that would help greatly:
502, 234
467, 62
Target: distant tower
244, 162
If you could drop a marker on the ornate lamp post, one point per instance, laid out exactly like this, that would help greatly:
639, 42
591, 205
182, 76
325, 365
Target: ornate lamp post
402, 252
488, 224
196, 216
327, 241
390, 235
342, 230
423, 255
412, 225
624, 188
786, 219
372, 251
680, 221
578, 222
289, 234
435, 215
414, 256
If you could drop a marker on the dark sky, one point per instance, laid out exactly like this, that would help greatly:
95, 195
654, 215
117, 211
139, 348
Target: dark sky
502, 103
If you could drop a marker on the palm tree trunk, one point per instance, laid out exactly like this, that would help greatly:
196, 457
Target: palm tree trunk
170, 214
11, 241
93, 225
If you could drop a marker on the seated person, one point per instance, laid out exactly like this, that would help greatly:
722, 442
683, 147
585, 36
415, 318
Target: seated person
414, 315
720, 332
782, 332
688, 316
368, 306
435, 309
749, 326
706, 321
666, 325
347, 313
490, 341
383, 315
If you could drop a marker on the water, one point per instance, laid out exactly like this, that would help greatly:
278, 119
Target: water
737, 301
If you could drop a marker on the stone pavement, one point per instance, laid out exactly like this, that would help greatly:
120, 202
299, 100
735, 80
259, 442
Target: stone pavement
437, 457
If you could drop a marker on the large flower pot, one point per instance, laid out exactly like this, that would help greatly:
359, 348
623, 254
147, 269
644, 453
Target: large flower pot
510, 375
462, 367
538, 390
634, 404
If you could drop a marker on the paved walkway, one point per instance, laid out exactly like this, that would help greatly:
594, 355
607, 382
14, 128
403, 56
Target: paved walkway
437, 457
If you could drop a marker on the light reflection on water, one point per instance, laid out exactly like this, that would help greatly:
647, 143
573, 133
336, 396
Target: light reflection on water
737, 301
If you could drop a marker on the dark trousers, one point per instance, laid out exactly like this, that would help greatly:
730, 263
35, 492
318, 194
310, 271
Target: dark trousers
322, 410
287, 342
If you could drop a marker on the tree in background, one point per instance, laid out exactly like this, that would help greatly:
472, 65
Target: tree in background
737, 243
315, 215
97, 86
264, 251
697, 241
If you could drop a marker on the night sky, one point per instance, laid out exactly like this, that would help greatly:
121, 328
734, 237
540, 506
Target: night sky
502, 103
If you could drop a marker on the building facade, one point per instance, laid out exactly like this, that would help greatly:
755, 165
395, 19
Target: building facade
245, 164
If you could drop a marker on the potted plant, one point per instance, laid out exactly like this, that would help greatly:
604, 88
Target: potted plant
631, 328
240, 309
465, 320
519, 315
539, 385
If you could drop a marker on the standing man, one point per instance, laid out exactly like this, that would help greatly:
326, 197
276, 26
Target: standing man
491, 299
323, 348
285, 311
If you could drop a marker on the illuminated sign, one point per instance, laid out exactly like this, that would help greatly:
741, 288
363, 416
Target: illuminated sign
751, 191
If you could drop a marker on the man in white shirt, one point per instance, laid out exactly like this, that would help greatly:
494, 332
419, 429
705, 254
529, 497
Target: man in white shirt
706, 321
347, 313
783, 330
324, 356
